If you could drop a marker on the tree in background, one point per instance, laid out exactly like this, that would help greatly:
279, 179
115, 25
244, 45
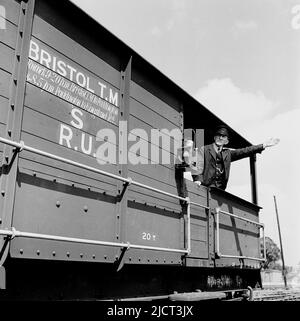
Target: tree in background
272, 254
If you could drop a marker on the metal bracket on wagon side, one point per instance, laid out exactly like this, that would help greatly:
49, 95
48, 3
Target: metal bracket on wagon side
218, 253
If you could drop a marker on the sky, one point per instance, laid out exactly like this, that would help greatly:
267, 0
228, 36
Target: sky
241, 60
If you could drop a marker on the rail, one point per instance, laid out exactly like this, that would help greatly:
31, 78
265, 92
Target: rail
22, 146
219, 254
14, 233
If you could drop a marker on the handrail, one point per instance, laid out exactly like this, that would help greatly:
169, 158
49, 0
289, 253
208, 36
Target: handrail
219, 254
14, 233
21, 146
128, 180
241, 218
200, 205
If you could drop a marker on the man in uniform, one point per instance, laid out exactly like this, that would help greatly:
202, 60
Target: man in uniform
213, 162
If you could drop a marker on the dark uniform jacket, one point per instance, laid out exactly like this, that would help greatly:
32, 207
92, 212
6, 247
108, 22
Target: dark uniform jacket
205, 170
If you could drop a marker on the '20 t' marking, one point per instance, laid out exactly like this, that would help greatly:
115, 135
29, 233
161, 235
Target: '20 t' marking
148, 236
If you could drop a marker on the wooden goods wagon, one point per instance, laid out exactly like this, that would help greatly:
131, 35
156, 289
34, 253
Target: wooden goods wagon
92, 204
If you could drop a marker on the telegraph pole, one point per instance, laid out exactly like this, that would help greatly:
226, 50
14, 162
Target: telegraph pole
281, 249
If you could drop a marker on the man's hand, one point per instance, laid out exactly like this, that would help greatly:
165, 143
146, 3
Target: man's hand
271, 142
198, 183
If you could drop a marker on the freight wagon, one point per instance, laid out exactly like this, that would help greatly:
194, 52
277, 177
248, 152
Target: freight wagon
94, 204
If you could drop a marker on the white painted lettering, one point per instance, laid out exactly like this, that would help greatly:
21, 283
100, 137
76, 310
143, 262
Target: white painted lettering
102, 87
72, 71
113, 97
34, 51
54, 64
89, 149
45, 59
79, 123
65, 134
80, 79
88, 85
61, 68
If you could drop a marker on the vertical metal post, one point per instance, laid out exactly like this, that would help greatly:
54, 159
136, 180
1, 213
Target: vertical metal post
264, 243
14, 119
122, 187
179, 178
253, 178
189, 246
211, 230
218, 231
281, 249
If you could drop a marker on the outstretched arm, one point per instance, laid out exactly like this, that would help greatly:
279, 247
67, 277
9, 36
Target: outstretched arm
245, 152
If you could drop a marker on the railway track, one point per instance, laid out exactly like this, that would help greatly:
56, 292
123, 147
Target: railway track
276, 295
